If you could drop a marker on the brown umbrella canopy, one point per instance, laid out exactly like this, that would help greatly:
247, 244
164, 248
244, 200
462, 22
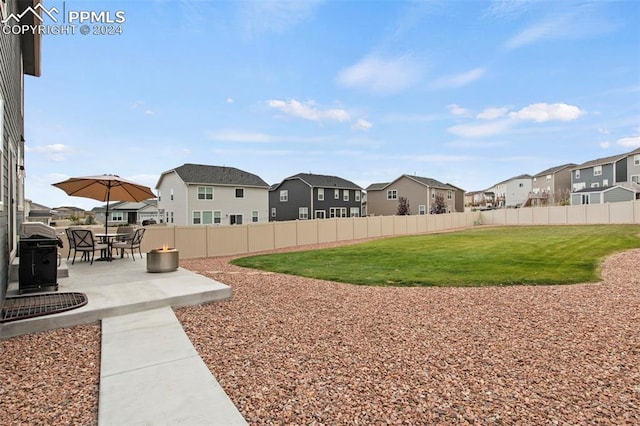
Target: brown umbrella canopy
105, 188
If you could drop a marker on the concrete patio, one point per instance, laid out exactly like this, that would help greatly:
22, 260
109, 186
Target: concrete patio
150, 372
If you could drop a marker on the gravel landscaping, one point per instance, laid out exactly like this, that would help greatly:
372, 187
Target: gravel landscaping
290, 350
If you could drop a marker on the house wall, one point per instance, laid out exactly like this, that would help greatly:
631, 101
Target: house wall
621, 170
299, 196
633, 168
330, 201
175, 207
589, 179
517, 192
225, 201
12, 131
416, 194
616, 195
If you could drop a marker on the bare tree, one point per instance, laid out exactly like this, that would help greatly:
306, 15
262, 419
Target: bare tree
403, 207
438, 206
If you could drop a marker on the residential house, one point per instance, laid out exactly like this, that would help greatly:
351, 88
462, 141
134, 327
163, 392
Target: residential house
128, 212
479, 199
420, 192
19, 56
196, 194
551, 187
513, 192
310, 196
606, 180
34, 212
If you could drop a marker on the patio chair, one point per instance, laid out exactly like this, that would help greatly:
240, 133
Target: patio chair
84, 242
132, 244
72, 245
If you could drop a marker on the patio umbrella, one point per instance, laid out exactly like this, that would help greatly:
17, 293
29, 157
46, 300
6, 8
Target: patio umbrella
105, 188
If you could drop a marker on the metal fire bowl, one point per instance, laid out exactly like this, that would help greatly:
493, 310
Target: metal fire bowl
162, 260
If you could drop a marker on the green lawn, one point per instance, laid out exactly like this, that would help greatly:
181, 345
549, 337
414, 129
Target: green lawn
473, 257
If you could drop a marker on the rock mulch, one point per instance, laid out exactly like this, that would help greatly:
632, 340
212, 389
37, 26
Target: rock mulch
51, 378
291, 350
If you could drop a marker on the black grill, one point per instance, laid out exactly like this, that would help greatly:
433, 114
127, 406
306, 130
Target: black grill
22, 307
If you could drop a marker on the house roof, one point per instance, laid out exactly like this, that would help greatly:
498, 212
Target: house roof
629, 187
321, 181
523, 176
215, 175
601, 161
419, 179
554, 170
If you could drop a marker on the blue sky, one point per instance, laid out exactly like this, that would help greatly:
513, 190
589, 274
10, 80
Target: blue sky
465, 92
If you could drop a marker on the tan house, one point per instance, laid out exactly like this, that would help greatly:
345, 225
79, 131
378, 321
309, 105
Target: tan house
420, 192
551, 187
20, 56
197, 194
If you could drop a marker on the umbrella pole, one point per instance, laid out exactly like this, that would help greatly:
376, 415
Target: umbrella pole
106, 216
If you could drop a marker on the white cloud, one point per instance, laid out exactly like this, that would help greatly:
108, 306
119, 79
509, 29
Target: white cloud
362, 124
605, 144
229, 100
382, 75
149, 112
480, 130
458, 80
492, 113
542, 112
309, 111
456, 109
630, 142
54, 152
580, 22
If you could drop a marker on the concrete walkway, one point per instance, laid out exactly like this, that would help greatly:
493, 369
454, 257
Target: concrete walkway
150, 372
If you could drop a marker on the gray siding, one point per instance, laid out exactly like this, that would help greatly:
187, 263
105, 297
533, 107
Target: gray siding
12, 134
616, 195
587, 176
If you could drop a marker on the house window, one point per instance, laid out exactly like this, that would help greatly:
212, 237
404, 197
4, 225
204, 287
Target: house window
171, 196
273, 212
217, 217
354, 212
345, 195
235, 219
584, 199
171, 217
204, 193
202, 217
284, 195
159, 195
433, 193
636, 160
605, 182
320, 214
595, 185
635, 178
338, 212
336, 194
597, 170
422, 209
548, 178
320, 194
357, 195
254, 216
392, 194
117, 216
520, 185
577, 174
450, 194
303, 213
239, 192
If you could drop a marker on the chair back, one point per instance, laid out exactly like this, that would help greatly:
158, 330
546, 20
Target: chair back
72, 243
82, 238
137, 237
